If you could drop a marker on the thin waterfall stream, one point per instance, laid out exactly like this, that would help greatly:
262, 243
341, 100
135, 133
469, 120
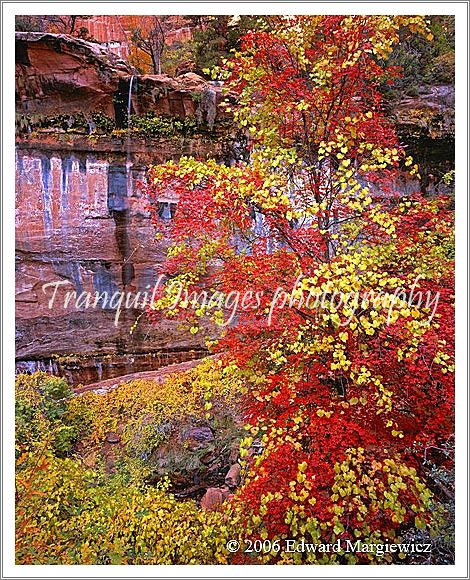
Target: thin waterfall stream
128, 138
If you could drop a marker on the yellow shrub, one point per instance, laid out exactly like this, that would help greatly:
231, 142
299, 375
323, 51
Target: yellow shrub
182, 395
77, 516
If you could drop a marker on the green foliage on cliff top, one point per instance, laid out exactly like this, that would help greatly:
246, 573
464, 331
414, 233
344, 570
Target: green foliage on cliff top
151, 125
426, 62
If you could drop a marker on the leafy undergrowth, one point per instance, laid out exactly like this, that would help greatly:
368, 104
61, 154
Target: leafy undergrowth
184, 427
68, 514
73, 509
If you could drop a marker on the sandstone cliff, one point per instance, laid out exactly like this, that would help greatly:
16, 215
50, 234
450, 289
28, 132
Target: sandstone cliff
80, 219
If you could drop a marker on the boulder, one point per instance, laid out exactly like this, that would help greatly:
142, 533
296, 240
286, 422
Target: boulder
233, 477
61, 74
197, 437
113, 437
214, 497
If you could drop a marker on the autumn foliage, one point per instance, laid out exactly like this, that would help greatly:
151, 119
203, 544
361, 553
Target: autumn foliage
310, 269
327, 297
70, 510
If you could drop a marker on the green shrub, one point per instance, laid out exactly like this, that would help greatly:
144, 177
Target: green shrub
70, 515
40, 405
103, 123
150, 125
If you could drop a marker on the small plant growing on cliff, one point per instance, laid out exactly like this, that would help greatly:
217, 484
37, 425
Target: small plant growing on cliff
196, 96
103, 123
449, 177
150, 125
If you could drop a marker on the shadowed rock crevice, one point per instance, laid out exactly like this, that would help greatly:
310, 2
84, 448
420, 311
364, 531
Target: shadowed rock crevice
118, 176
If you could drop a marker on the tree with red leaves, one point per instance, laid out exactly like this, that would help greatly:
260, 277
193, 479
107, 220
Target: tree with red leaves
330, 290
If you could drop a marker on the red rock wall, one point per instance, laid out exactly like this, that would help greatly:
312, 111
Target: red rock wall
67, 230
57, 74
116, 31
80, 217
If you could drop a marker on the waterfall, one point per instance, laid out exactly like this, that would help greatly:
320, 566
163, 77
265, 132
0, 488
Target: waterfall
128, 140
99, 368
129, 102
